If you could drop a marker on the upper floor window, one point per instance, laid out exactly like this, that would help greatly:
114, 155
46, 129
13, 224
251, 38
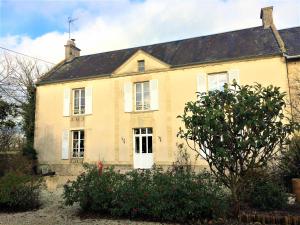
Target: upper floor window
79, 101
217, 81
141, 66
78, 143
142, 96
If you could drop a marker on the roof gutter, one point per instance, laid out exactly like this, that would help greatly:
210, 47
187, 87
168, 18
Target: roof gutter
291, 56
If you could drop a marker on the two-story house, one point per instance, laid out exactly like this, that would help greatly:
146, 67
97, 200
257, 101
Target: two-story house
121, 107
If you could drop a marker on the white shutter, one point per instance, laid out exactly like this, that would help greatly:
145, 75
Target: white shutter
66, 106
65, 145
234, 74
202, 82
128, 97
154, 95
88, 100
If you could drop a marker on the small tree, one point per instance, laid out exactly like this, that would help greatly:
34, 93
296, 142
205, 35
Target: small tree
7, 124
17, 83
237, 131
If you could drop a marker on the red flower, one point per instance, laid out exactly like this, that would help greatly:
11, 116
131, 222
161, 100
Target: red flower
100, 168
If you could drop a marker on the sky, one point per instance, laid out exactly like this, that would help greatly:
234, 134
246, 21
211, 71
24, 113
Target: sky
39, 28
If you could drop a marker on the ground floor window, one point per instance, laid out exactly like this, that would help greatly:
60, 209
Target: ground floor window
78, 143
142, 140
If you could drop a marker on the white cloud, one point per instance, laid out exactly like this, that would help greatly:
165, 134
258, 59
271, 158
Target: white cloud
153, 21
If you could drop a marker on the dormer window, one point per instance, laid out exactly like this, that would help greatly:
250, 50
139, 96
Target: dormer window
141, 66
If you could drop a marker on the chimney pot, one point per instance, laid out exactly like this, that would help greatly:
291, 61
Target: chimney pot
266, 14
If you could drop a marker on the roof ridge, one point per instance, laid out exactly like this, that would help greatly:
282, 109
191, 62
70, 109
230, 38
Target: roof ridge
289, 28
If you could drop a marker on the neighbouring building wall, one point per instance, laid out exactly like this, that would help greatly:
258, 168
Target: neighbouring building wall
109, 130
293, 67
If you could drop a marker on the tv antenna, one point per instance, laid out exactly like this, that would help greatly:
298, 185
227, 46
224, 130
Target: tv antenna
70, 20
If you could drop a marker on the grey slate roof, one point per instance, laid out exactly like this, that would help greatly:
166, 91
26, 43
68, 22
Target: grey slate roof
246, 43
291, 39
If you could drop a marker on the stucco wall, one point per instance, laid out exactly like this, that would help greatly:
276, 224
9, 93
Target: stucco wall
108, 124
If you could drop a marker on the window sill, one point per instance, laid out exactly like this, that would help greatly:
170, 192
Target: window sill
144, 111
77, 160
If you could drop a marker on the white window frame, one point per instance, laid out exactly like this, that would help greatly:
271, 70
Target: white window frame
141, 66
216, 75
77, 150
79, 101
140, 136
142, 97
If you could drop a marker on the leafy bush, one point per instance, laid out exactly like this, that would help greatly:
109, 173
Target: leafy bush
19, 192
15, 163
174, 195
29, 152
264, 192
289, 163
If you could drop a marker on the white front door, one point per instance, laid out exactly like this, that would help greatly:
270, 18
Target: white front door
142, 148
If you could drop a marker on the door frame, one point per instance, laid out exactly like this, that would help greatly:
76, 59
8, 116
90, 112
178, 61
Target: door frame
137, 157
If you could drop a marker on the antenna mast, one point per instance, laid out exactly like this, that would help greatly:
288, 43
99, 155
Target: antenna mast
70, 20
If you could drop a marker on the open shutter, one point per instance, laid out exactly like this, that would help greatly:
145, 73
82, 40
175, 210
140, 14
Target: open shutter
128, 97
65, 145
154, 94
66, 107
88, 100
202, 82
234, 74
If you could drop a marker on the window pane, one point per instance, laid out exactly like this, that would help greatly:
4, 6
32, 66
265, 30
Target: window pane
81, 143
222, 80
136, 131
146, 86
76, 94
217, 81
144, 145
138, 87
82, 134
146, 100
212, 82
74, 153
81, 152
139, 106
137, 145
75, 144
141, 65
75, 134
149, 144
143, 130
82, 93
149, 130
138, 97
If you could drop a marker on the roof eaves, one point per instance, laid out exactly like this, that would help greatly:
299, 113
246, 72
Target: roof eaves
72, 79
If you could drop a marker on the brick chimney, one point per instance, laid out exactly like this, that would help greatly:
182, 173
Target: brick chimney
71, 51
266, 14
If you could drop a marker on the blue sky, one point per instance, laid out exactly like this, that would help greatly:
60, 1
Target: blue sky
37, 17
39, 27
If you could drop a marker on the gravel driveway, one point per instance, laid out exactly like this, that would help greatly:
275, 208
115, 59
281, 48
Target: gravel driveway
54, 212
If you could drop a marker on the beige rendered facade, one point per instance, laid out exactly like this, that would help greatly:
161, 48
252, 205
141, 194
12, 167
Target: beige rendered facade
142, 92
109, 129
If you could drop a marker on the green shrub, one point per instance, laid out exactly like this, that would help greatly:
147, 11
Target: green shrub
265, 193
19, 192
289, 163
93, 192
29, 152
174, 195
